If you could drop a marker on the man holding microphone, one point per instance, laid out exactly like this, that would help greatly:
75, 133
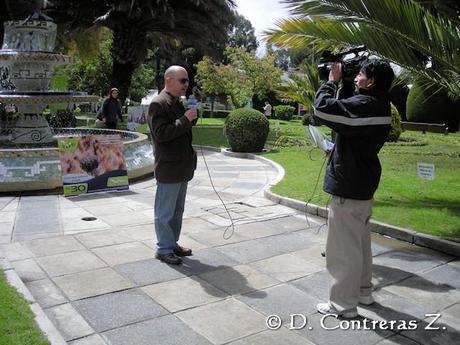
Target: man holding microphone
361, 123
175, 162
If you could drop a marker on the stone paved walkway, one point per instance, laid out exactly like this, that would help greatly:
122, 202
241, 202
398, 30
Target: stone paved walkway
98, 282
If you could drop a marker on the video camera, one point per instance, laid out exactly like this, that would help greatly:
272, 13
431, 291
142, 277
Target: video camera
351, 63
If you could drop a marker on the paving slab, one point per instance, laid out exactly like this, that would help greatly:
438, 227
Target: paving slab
207, 260
397, 340
238, 279
118, 309
68, 263
103, 238
90, 340
223, 321
28, 270
150, 271
68, 321
286, 267
166, 330
46, 293
248, 251
282, 300
54, 245
424, 292
92, 283
124, 253
328, 330
184, 293
273, 337
444, 335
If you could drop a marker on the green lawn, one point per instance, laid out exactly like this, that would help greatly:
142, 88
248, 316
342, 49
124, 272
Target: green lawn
17, 325
403, 199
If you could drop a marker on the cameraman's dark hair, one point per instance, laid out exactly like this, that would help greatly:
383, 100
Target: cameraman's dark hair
380, 71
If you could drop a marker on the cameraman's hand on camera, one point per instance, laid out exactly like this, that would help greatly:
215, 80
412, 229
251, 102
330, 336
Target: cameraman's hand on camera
336, 72
191, 114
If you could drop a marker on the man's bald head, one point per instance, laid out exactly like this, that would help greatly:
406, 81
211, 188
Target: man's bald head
176, 80
172, 71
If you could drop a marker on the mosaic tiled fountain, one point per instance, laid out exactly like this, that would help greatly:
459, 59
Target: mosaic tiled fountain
28, 150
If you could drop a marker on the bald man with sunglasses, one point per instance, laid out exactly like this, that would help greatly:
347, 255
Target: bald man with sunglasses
175, 162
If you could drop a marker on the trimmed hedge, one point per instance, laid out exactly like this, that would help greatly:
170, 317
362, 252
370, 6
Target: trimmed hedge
246, 130
284, 112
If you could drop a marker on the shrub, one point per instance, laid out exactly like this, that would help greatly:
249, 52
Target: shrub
63, 119
246, 130
432, 106
284, 112
396, 128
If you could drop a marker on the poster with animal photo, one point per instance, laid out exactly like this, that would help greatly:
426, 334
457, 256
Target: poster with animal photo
92, 163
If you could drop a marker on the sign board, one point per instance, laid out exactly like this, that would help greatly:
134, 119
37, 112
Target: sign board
92, 163
425, 171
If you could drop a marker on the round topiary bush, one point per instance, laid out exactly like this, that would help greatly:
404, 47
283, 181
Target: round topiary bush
396, 128
284, 112
246, 130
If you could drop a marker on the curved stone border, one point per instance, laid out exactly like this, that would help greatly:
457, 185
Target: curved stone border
407, 235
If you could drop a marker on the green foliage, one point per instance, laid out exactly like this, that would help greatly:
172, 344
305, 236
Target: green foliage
432, 105
93, 74
241, 34
246, 130
284, 112
63, 119
302, 85
403, 32
17, 325
245, 76
396, 128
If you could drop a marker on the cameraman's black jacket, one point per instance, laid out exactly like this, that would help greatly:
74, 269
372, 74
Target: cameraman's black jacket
362, 123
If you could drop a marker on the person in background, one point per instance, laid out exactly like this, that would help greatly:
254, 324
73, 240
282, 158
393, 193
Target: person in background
267, 109
361, 123
175, 162
110, 110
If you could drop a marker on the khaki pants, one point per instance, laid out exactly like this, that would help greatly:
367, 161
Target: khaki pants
348, 251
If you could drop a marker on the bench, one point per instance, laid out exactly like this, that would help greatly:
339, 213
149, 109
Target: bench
424, 127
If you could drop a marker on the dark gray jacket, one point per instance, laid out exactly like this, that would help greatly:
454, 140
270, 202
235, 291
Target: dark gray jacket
175, 158
362, 123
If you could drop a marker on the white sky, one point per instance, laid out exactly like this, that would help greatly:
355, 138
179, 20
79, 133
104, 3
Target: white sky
262, 14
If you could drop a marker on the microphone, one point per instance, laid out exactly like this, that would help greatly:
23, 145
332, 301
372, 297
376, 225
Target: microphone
193, 104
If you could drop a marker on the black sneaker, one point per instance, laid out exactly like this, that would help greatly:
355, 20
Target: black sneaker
169, 258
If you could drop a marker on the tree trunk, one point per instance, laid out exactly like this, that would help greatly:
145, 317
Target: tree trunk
122, 74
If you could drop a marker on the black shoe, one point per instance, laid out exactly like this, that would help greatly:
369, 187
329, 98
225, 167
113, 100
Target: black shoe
181, 251
169, 258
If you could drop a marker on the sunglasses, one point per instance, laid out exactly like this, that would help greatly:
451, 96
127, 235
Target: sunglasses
183, 81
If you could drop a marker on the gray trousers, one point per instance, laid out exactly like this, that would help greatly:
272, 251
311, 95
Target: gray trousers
348, 251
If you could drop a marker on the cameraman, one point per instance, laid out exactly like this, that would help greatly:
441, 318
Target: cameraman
361, 124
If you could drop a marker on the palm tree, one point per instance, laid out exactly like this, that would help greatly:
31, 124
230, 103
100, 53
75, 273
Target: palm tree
422, 40
302, 85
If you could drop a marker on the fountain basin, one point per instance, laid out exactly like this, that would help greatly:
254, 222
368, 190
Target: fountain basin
39, 169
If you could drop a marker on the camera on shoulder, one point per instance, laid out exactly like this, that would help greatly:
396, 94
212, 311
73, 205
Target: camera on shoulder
351, 60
